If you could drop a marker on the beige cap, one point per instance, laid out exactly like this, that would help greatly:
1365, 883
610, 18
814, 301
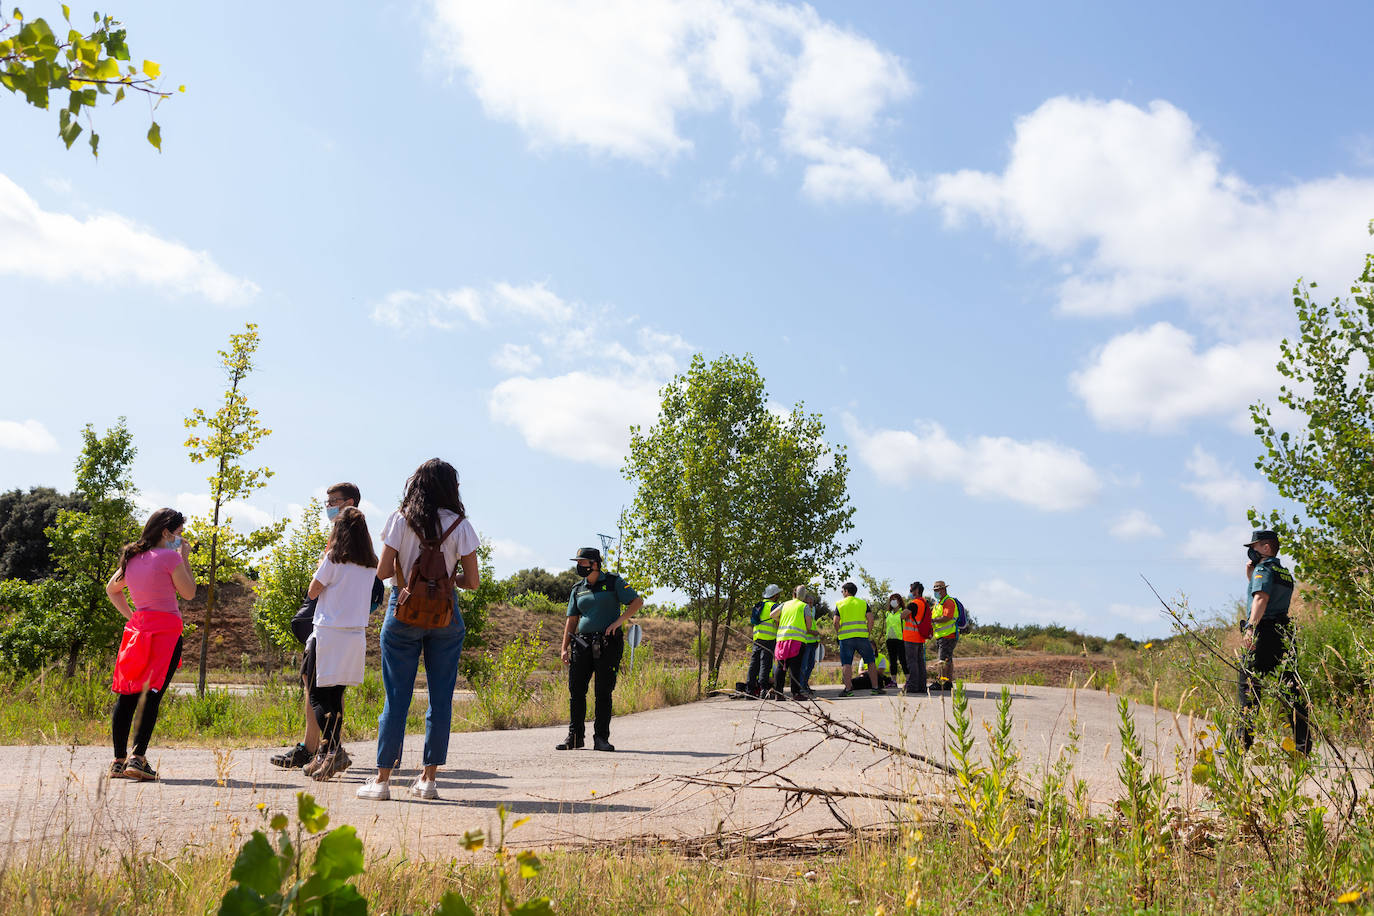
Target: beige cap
939, 583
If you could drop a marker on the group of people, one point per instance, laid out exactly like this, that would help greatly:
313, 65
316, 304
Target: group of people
787, 642
429, 550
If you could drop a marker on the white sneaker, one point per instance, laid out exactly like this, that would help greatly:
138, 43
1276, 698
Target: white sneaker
424, 788
375, 790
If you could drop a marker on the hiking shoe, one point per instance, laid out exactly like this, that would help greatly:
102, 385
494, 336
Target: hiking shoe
137, 768
117, 769
846, 693
570, 743
298, 756
327, 766
601, 744
878, 691
374, 789
424, 788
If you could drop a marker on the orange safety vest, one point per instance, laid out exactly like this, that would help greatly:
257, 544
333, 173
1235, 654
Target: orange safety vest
911, 620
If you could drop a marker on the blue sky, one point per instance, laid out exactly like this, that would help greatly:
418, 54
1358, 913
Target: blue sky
1031, 262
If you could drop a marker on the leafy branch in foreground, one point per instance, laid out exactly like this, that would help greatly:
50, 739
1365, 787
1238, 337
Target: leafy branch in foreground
35, 62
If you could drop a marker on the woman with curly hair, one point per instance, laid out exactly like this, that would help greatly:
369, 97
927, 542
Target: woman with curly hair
431, 516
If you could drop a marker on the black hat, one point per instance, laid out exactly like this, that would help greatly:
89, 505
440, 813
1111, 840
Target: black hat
1264, 535
588, 553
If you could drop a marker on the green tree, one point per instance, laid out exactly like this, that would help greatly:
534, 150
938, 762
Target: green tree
230, 434
1327, 467
25, 517
86, 544
555, 587
285, 576
731, 497
35, 63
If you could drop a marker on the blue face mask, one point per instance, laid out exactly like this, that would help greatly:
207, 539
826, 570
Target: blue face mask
331, 512
174, 543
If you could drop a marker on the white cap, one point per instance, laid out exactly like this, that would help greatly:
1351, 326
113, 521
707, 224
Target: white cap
771, 591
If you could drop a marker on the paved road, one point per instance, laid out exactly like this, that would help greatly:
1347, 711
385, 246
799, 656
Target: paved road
50, 794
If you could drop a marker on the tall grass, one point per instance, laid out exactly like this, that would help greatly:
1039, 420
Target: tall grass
53, 710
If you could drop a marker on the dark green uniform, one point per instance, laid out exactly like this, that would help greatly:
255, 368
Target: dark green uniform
1273, 642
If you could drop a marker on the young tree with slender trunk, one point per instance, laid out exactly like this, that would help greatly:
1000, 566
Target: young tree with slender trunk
230, 434
86, 545
731, 497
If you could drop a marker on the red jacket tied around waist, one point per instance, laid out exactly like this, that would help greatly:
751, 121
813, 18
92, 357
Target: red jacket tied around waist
145, 651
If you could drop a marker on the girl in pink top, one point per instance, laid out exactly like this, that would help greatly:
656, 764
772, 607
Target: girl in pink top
154, 570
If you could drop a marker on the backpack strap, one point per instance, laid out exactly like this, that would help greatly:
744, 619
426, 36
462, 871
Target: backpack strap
399, 574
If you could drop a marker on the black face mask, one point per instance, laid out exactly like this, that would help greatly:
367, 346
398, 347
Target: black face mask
1254, 555
584, 571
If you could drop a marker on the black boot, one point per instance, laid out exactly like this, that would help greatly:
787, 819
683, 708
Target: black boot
571, 743
601, 744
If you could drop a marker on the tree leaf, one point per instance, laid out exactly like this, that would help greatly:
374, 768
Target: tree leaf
155, 136
340, 855
152, 69
257, 866
95, 142
311, 815
453, 904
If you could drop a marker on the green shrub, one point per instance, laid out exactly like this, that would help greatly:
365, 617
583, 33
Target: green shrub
503, 682
538, 603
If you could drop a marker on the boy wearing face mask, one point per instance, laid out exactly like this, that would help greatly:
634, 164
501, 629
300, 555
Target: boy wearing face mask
593, 641
336, 498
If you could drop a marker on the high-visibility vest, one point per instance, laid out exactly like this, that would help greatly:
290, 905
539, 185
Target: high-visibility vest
894, 624
792, 620
853, 613
813, 638
948, 627
911, 627
767, 628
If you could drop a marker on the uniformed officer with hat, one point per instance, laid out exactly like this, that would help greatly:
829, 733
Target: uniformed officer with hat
593, 641
1268, 638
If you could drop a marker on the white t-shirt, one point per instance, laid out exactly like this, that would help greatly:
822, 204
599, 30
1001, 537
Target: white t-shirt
347, 595
399, 536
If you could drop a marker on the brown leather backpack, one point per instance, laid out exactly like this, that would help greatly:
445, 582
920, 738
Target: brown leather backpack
427, 592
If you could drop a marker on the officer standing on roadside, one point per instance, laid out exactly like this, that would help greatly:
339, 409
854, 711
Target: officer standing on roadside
593, 642
1267, 639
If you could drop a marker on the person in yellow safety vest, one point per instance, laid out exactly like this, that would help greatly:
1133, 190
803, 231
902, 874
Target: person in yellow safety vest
853, 620
811, 654
795, 623
944, 616
895, 649
765, 619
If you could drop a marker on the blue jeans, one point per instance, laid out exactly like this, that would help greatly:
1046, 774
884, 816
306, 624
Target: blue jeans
402, 646
860, 645
809, 653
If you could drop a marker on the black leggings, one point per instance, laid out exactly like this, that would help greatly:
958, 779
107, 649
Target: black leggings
127, 703
328, 705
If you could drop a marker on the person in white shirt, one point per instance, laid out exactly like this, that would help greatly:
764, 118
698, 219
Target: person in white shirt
431, 509
343, 588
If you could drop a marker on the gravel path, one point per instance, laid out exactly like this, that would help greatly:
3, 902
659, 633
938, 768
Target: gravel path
54, 795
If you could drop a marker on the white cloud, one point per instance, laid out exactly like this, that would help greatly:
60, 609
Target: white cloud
508, 556
579, 416
998, 600
1139, 613
1134, 525
438, 309
1157, 379
1038, 473
1217, 549
1139, 205
112, 250
533, 300
619, 79
28, 436
516, 358
1221, 486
